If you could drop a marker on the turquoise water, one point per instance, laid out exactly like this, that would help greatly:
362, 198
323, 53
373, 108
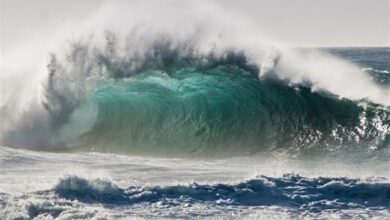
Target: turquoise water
226, 110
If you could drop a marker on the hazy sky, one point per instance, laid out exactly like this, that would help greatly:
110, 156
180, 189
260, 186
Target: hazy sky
298, 22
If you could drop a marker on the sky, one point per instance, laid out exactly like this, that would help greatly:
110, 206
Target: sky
307, 23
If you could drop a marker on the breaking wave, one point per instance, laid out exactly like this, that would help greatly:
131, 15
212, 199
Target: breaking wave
210, 90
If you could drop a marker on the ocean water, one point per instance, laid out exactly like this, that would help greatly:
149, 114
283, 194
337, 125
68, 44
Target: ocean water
38, 185
210, 137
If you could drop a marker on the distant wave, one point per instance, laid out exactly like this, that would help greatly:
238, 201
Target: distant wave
375, 70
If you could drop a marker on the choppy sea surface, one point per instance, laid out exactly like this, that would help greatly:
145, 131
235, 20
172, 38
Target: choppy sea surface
37, 185
181, 138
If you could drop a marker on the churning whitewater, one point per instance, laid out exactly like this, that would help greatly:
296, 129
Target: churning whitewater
105, 126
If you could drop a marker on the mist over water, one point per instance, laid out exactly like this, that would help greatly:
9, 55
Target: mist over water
250, 125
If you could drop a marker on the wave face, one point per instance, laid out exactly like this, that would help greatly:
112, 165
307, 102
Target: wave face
190, 104
224, 108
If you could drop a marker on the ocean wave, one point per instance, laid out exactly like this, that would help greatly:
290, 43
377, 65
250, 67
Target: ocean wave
219, 108
90, 191
149, 91
312, 194
290, 195
214, 110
